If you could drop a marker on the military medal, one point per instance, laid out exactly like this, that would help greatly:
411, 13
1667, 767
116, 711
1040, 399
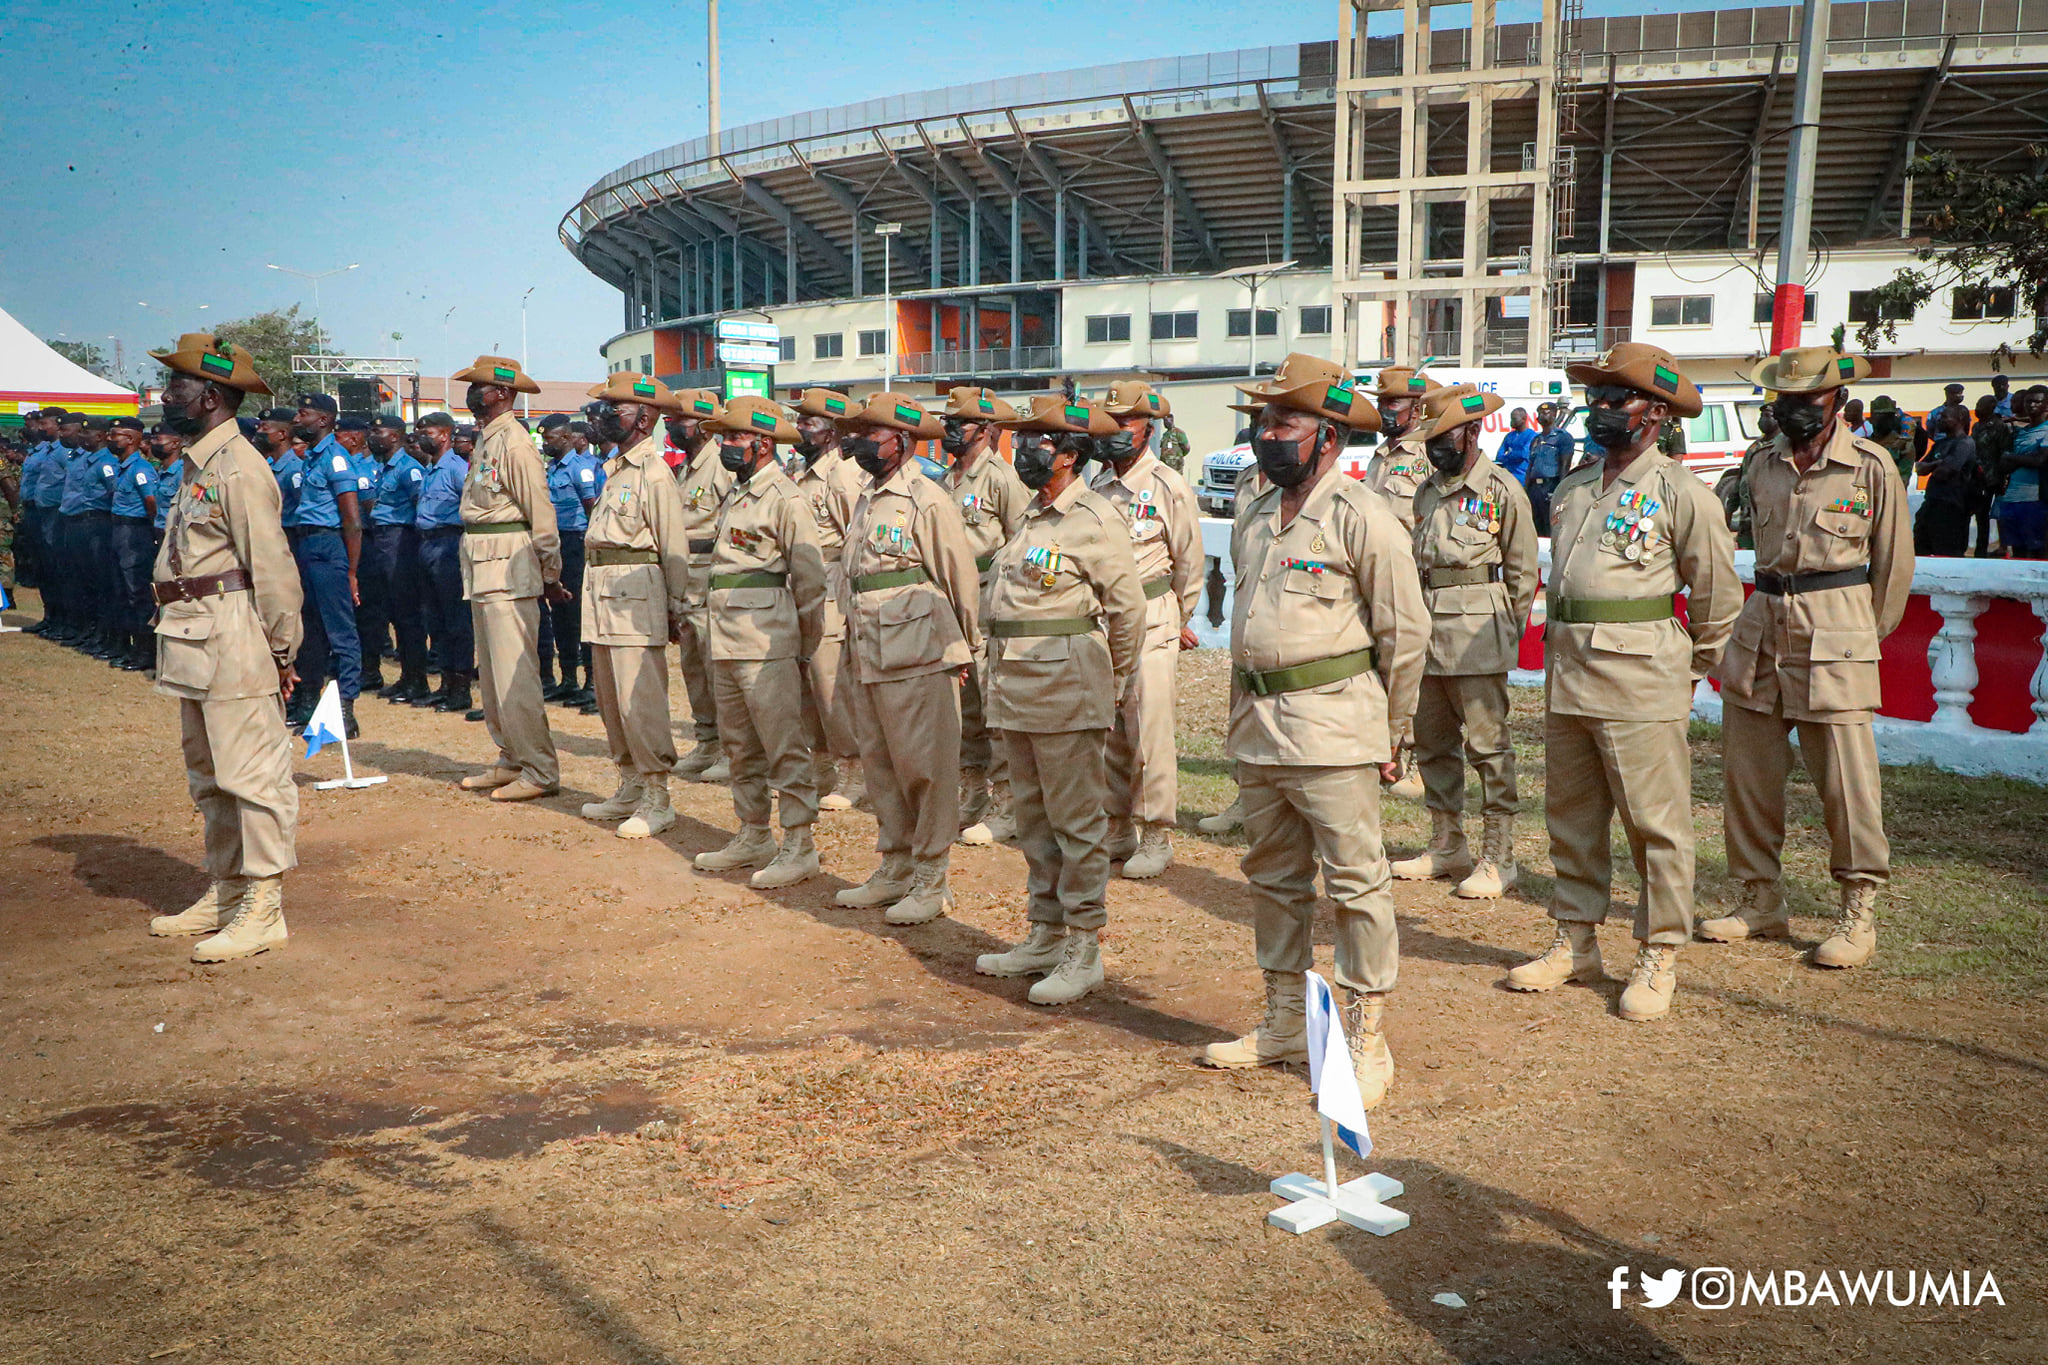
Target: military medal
1318, 545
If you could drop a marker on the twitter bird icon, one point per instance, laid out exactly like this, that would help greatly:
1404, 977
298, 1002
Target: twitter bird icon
1660, 1290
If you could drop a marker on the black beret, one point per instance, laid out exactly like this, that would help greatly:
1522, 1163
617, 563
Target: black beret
319, 402
285, 415
580, 428
466, 430
553, 420
384, 421
67, 418
435, 419
352, 424
247, 424
128, 423
97, 424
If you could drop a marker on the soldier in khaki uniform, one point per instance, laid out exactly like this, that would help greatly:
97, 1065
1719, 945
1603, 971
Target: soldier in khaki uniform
636, 581
228, 599
1165, 526
703, 481
1066, 622
1834, 567
1627, 533
911, 600
1475, 546
831, 484
766, 600
991, 503
511, 558
1327, 637
1400, 465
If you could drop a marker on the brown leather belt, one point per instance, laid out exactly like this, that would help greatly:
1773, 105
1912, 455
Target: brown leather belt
193, 589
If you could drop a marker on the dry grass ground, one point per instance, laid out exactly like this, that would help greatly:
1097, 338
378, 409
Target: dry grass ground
518, 1091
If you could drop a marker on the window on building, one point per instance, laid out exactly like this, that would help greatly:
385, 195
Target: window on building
874, 341
1109, 327
1239, 323
1763, 309
1315, 320
1861, 309
1981, 305
788, 348
1682, 310
1173, 326
647, 364
829, 345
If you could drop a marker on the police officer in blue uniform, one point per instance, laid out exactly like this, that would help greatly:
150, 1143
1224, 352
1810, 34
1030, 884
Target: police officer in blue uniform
574, 480
168, 448
134, 545
89, 497
61, 532
327, 542
30, 544
391, 558
354, 435
439, 520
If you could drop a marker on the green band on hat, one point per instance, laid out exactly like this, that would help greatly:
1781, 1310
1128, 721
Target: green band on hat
1847, 367
985, 404
1664, 379
1473, 402
216, 364
703, 405
764, 420
1076, 413
1338, 396
507, 375
1415, 382
1152, 401
835, 405
642, 387
907, 413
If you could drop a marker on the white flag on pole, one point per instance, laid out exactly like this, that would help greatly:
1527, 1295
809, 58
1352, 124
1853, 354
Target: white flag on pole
1329, 1067
326, 727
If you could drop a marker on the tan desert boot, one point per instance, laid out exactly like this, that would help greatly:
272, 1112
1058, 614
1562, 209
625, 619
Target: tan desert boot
1371, 1060
1760, 913
258, 925
205, 915
973, 795
929, 896
1079, 971
485, 781
1040, 952
621, 803
1223, 821
1447, 854
1154, 855
824, 775
691, 765
1573, 955
654, 813
1001, 820
753, 846
718, 774
1408, 788
886, 885
522, 790
849, 791
1853, 940
795, 861
1495, 871
1280, 1036
1651, 982
1123, 838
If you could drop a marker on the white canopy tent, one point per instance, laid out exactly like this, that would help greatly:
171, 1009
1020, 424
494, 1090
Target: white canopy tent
34, 376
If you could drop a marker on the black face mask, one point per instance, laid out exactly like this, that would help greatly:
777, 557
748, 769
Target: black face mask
866, 452
1033, 464
610, 424
1610, 428
734, 458
955, 440
1117, 448
1445, 453
306, 434
178, 417
807, 447
1801, 422
1281, 459
259, 438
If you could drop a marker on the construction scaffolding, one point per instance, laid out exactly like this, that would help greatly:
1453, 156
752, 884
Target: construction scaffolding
1472, 218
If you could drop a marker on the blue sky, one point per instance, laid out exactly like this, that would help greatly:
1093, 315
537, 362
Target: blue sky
165, 153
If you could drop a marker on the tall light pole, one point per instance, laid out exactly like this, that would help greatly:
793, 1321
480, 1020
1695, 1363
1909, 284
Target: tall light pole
711, 66
886, 231
1250, 275
1795, 215
525, 406
319, 334
447, 376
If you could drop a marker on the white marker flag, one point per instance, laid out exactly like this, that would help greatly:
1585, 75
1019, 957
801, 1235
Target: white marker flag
1329, 1067
326, 727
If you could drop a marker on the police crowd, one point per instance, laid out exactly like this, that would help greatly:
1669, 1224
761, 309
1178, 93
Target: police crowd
983, 648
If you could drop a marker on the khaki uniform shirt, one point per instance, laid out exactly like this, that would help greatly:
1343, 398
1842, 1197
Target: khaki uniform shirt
704, 482
1479, 519
1165, 526
507, 482
1637, 670
991, 499
1816, 653
225, 517
1339, 577
639, 509
765, 526
831, 486
1395, 471
908, 522
1069, 560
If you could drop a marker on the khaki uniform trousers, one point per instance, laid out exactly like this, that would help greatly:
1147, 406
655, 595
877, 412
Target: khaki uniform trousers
909, 755
631, 682
508, 675
1296, 818
980, 747
1468, 709
828, 709
1057, 790
238, 764
693, 658
1144, 765
1756, 752
1594, 769
760, 705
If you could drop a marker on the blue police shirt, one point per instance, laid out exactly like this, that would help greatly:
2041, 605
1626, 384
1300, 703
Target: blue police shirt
89, 482
135, 481
398, 491
328, 474
441, 492
168, 481
367, 469
574, 481
1550, 454
42, 475
290, 471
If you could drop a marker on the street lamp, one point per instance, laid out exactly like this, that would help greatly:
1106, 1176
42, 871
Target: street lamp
886, 231
448, 377
319, 336
525, 409
1251, 275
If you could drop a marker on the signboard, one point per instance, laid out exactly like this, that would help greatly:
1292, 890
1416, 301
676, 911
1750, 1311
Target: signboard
747, 383
743, 329
748, 353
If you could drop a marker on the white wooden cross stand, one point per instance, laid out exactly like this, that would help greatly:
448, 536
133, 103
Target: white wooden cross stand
1362, 1202
348, 776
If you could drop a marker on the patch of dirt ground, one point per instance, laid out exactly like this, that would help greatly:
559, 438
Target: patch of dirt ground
520, 1091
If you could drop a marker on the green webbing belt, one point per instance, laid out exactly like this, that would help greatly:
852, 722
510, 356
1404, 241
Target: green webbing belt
895, 578
748, 580
982, 562
1460, 578
1315, 674
1049, 625
492, 528
1587, 611
1158, 587
597, 556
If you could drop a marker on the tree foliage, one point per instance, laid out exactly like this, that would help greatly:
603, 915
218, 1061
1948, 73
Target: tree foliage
84, 354
1990, 229
272, 339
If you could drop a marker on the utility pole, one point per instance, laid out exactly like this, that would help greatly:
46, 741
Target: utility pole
525, 405
1795, 216
711, 64
887, 232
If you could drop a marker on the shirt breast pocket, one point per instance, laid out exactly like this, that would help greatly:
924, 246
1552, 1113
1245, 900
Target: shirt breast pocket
1312, 603
183, 656
909, 635
1845, 526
